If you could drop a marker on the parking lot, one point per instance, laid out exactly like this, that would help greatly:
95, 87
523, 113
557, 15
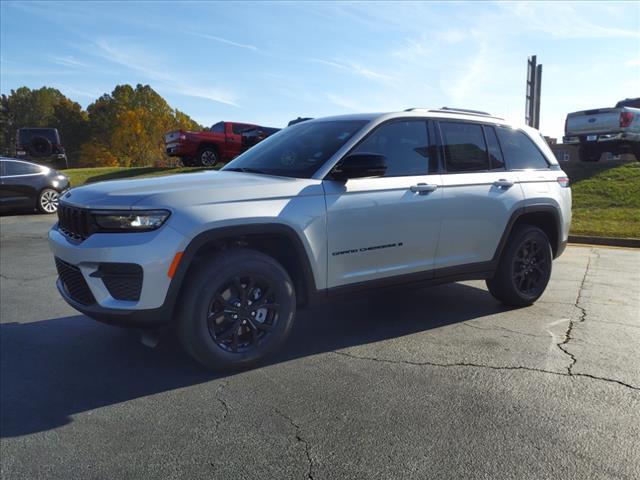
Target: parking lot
435, 383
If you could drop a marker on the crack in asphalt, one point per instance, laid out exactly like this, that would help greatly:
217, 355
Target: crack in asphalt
301, 440
582, 317
480, 365
224, 404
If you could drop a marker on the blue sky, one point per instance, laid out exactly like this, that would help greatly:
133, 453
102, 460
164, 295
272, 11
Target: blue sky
270, 62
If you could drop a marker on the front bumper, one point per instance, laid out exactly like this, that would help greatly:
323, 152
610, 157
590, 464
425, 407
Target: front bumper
152, 251
151, 318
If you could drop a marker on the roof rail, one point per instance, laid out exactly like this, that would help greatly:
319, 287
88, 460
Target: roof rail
460, 111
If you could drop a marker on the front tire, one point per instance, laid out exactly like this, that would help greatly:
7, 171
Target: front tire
524, 268
238, 307
48, 201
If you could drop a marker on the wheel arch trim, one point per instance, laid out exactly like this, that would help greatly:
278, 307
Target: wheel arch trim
518, 213
217, 234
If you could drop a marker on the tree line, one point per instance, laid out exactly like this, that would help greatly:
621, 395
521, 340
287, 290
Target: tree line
124, 128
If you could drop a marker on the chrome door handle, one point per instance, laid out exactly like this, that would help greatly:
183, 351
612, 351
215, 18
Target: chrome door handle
423, 188
502, 183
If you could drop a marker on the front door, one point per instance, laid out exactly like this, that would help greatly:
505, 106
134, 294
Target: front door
388, 226
234, 139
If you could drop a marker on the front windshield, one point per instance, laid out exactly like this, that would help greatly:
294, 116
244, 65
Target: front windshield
297, 151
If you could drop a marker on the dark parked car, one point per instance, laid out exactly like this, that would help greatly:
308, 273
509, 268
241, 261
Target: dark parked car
28, 185
42, 145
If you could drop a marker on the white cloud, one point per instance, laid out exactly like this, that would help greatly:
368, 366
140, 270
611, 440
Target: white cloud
344, 102
634, 62
67, 61
452, 35
465, 82
142, 63
79, 92
225, 41
414, 49
562, 20
355, 69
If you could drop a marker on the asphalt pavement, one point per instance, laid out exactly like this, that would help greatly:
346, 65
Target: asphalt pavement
440, 383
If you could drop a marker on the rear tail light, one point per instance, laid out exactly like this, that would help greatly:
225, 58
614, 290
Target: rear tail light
625, 119
563, 181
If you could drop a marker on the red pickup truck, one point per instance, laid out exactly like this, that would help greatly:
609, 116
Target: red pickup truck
221, 143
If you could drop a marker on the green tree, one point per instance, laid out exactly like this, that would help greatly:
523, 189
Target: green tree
125, 127
44, 107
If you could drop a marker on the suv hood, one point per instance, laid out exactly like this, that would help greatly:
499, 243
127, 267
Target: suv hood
173, 191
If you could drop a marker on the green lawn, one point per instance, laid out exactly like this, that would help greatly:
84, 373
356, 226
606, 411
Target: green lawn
606, 199
606, 195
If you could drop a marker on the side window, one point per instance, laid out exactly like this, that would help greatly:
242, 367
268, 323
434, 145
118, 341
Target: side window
404, 143
238, 128
464, 147
19, 168
218, 128
495, 154
519, 151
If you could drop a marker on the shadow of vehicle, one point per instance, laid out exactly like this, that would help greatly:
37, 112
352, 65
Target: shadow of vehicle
53, 369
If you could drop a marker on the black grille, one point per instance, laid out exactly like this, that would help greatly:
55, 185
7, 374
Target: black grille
74, 222
74, 283
123, 280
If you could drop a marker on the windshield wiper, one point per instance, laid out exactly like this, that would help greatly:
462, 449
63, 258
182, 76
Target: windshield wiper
243, 170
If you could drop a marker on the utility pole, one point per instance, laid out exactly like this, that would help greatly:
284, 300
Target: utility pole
534, 84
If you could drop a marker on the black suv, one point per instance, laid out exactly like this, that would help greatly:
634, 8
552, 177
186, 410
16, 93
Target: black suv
41, 145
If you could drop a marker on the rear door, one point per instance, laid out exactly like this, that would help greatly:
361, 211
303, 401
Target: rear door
479, 195
386, 227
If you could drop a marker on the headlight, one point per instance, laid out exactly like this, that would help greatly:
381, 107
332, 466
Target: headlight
130, 220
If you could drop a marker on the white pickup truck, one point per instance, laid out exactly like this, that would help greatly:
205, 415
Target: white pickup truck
615, 130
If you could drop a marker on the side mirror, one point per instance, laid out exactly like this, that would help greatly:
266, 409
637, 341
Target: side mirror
360, 165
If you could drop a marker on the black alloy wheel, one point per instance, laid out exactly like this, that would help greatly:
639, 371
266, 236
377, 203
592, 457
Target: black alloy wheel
242, 313
524, 268
531, 268
238, 307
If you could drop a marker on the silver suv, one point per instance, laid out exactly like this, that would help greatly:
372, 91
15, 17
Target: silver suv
326, 207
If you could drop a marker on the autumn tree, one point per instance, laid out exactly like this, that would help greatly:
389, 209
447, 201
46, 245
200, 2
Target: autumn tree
131, 122
125, 127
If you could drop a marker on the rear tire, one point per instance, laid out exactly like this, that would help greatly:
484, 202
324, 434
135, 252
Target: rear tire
238, 307
524, 268
207, 157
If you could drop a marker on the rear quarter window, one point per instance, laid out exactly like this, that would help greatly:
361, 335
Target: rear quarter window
520, 153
